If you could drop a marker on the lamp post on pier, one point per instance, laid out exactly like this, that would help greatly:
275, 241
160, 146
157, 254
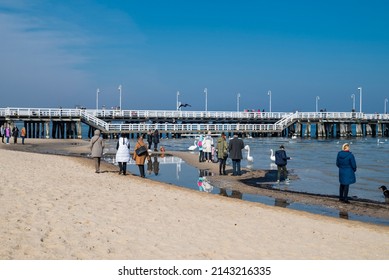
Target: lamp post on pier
97, 98
360, 99
120, 96
206, 99
177, 104
237, 102
317, 102
385, 101
353, 98
269, 93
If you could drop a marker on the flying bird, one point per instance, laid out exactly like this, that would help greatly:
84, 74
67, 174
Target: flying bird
184, 105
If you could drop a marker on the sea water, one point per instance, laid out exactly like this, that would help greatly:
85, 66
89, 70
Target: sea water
312, 163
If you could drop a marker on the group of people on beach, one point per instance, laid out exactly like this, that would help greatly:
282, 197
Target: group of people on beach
140, 154
345, 160
6, 132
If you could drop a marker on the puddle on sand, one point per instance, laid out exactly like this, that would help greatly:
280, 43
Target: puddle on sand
174, 170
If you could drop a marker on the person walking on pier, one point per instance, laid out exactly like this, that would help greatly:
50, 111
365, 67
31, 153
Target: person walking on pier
281, 162
235, 147
346, 163
222, 153
97, 146
141, 158
123, 153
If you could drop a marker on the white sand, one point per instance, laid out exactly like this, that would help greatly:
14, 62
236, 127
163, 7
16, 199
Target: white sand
56, 207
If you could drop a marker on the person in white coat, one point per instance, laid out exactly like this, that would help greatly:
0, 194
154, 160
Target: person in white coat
123, 153
207, 147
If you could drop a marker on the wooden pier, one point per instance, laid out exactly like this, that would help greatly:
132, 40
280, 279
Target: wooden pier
67, 123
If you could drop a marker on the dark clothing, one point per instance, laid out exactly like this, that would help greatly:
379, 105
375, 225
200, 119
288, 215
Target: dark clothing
156, 139
235, 148
149, 139
281, 158
281, 162
345, 161
15, 134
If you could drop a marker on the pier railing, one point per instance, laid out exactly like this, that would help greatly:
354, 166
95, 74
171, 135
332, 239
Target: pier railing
175, 120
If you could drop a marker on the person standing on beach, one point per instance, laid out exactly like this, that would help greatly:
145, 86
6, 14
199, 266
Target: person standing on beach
207, 147
222, 153
199, 144
15, 134
346, 163
150, 138
140, 159
235, 148
281, 162
155, 140
23, 134
123, 153
97, 146
2, 131
7, 133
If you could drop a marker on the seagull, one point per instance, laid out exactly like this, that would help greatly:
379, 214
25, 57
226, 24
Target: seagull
272, 156
249, 158
385, 191
184, 105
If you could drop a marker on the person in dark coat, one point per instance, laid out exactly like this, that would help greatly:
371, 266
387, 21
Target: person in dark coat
281, 162
235, 147
346, 163
156, 140
150, 138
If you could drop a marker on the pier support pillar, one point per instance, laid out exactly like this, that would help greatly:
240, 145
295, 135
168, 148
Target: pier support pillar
369, 130
379, 129
298, 131
358, 129
308, 130
47, 129
320, 130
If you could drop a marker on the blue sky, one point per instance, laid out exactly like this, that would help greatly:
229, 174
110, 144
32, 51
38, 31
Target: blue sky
57, 53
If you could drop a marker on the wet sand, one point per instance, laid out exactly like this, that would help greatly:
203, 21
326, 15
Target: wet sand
56, 207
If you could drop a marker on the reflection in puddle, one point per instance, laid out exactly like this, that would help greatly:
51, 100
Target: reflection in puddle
343, 215
234, 193
281, 202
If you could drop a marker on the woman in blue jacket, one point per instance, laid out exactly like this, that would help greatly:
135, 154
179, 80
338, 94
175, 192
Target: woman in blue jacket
345, 161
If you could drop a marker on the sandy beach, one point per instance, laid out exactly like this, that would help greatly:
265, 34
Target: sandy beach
56, 207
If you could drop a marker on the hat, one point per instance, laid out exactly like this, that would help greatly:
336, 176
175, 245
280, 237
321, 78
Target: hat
345, 145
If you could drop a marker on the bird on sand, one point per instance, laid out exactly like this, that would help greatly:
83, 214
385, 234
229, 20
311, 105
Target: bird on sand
385, 191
